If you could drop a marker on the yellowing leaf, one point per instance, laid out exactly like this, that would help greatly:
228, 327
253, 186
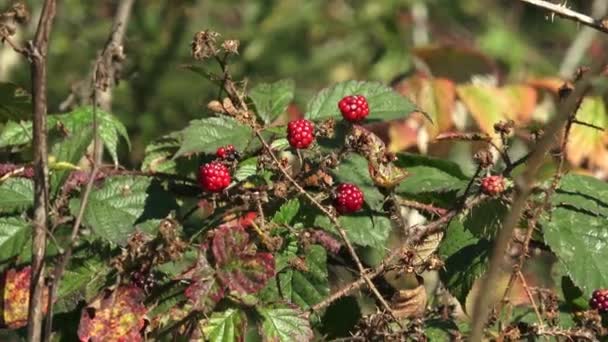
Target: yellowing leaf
588, 143
17, 297
118, 316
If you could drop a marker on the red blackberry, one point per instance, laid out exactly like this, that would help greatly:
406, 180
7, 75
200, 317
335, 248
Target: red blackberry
354, 108
493, 185
214, 177
349, 198
226, 152
599, 300
300, 133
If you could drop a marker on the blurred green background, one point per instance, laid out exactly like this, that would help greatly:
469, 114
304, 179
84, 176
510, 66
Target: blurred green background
314, 42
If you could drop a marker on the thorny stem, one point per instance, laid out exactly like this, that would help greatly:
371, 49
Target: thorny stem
36, 52
524, 186
564, 12
417, 233
335, 222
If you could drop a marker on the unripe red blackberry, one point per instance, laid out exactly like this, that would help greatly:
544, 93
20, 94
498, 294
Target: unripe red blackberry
493, 185
214, 177
227, 152
599, 300
354, 108
349, 198
300, 133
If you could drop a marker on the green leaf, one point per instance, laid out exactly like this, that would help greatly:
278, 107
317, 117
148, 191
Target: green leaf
485, 219
302, 288
384, 103
16, 194
272, 99
206, 135
70, 150
226, 326
83, 278
15, 102
287, 212
284, 324
429, 174
362, 228
109, 127
246, 169
158, 154
576, 231
439, 330
466, 259
16, 133
122, 202
13, 236
354, 169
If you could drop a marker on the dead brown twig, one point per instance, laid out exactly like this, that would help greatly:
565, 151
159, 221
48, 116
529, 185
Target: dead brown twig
36, 52
524, 185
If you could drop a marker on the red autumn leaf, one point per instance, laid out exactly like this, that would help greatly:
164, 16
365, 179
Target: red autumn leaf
239, 266
17, 297
204, 291
118, 316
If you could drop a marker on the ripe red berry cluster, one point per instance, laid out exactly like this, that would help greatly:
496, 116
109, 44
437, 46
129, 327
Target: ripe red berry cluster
349, 198
300, 133
354, 108
599, 300
225, 152
214, 177
493, 185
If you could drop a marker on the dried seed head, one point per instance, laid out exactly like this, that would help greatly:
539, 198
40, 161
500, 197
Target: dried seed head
203, 44
231, 46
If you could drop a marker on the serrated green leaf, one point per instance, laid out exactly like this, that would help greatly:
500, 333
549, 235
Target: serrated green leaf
158, 154
226, 326
429, 175
354, 169
206, 135
246, 169
576, 231
13, 236
466, 259
362, 228
272, 99
122, 202
109, 128
584, 193
302, 288
485, 220
69, 150
16, 194
15, 102
284, 324
287, 212
83, 277
16, 133
384, 103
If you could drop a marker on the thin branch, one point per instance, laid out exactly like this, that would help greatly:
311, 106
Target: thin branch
586, 124
566, 13
524, 185
582, 42
417, 233
335, 222
37, 54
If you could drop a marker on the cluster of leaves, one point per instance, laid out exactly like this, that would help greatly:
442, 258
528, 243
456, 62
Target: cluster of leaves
157, 257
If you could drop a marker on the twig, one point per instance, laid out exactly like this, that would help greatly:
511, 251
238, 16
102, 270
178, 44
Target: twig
582, 42
417, 234
523, 186
37, 54
531, 298
429, 208
567, 13
335, 222
586, 124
